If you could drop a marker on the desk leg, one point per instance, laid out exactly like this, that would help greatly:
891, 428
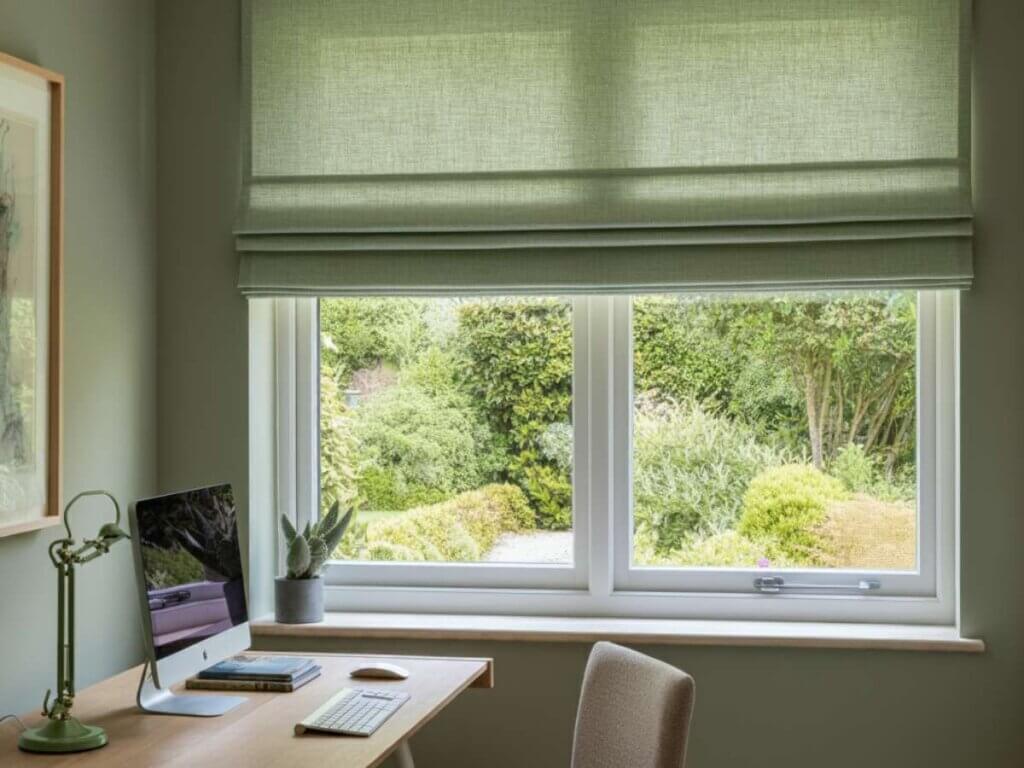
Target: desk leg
403, 756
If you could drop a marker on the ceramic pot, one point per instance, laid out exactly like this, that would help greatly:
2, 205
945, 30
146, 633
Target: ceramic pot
298, 601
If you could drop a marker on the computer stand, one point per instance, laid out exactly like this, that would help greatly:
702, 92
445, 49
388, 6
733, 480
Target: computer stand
161, 701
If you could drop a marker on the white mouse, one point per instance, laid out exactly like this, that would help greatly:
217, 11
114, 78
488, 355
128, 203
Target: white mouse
380, 670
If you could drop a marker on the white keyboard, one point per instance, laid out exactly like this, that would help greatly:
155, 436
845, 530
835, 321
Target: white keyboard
353, 712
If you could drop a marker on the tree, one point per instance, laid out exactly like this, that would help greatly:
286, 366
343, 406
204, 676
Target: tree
362, 332
852, 360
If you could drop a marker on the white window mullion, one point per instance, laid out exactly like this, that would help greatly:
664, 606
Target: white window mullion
621, 405
287, 424
595, 364
307, 411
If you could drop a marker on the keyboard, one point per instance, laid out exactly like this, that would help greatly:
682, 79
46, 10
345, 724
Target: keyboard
353, 712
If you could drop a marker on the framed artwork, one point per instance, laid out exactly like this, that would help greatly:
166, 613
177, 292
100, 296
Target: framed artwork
31, 245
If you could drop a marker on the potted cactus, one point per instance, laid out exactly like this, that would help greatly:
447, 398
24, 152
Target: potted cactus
299, 595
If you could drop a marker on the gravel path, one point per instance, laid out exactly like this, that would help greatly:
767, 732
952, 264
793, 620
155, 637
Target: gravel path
537, 547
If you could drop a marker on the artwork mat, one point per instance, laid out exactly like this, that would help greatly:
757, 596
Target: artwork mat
31, 91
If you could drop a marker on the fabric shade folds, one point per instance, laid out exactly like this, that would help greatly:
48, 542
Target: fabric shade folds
453, 146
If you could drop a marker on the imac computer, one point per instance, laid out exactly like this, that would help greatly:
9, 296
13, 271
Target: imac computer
189, 571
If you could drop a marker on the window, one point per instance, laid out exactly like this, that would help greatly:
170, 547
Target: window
775, 431
778, 456
447, 423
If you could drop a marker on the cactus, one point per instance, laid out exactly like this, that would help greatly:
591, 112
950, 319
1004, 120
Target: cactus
309, 551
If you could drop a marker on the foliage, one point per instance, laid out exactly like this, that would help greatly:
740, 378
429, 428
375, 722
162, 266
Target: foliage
851, 358
203, 524
170, 567
555, 445
690, 469
787, 504
419, 448
813, 372
728, 549
550, 489
517, 364
385, 489
461, 529
362, 332
680, 352
861, 473
853, 468
337, 446
309, 551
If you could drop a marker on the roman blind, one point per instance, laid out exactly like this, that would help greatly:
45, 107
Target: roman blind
436, 146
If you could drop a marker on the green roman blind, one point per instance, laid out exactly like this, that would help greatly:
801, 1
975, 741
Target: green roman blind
456, 146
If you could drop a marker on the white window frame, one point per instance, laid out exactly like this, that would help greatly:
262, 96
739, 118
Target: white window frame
602, 581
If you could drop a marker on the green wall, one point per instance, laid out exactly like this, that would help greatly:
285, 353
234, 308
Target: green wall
105, 49
764, 707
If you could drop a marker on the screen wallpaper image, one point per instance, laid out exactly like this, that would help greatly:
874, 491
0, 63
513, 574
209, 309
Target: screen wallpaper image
192, 565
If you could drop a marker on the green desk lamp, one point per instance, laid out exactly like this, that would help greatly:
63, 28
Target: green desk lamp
63, 733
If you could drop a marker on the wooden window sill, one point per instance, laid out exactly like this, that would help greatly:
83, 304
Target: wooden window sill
543, 629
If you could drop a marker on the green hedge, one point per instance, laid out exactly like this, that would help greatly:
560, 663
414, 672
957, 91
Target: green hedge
461, 529
787, 504
518, 367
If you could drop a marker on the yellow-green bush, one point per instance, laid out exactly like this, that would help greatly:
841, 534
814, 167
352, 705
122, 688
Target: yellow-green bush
787, 504
728, 549
461, 529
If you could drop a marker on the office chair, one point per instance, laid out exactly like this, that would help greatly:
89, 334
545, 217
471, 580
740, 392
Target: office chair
634, 712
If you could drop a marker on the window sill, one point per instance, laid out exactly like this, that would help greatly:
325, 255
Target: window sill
421, 626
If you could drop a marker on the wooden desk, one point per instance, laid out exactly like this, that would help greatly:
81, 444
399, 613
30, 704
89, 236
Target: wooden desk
259, 733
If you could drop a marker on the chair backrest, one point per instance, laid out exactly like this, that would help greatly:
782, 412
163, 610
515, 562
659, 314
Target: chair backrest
634, 712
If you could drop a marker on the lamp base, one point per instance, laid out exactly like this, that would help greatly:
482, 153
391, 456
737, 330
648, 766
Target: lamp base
67, 735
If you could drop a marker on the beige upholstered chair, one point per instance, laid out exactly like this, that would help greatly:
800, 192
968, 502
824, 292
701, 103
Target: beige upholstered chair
634, 712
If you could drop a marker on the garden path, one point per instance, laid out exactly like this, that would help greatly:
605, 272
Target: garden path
533, 547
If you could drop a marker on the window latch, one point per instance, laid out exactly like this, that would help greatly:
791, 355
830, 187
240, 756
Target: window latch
773, 585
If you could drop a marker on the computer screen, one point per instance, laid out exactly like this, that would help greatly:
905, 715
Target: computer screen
192, 566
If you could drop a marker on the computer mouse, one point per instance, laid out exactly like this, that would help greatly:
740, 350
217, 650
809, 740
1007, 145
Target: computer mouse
380, 670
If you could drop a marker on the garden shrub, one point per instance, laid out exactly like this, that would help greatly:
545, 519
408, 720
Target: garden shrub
861, 473
690, 470
550, 489
678, 350
462, 529
361, 332
337, 446
419, 449
854, 469
728, 549
788, 504
555, 445
517, 364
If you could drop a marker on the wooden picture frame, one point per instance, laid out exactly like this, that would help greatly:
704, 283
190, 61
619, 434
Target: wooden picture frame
32, 111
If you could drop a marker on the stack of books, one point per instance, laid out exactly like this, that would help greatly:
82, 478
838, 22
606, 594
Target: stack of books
280, 674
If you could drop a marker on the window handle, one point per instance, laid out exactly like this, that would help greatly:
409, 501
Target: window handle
773, 585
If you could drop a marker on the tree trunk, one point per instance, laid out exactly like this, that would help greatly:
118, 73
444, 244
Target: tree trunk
813, 418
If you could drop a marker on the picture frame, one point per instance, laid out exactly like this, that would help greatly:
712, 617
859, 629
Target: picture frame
32, 122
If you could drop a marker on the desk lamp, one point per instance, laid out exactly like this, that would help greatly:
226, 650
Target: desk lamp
63, 733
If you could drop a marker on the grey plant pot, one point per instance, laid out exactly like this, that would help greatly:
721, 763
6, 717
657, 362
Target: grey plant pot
298, 601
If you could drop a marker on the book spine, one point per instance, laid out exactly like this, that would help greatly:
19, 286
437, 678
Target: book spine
239, 685
249, 676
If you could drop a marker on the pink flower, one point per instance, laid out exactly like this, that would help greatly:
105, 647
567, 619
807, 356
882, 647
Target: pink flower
764, 562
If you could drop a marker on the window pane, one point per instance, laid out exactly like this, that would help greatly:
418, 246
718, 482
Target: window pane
446, 423
775, 431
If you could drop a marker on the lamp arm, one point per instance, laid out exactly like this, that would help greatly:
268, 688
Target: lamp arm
67, 509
